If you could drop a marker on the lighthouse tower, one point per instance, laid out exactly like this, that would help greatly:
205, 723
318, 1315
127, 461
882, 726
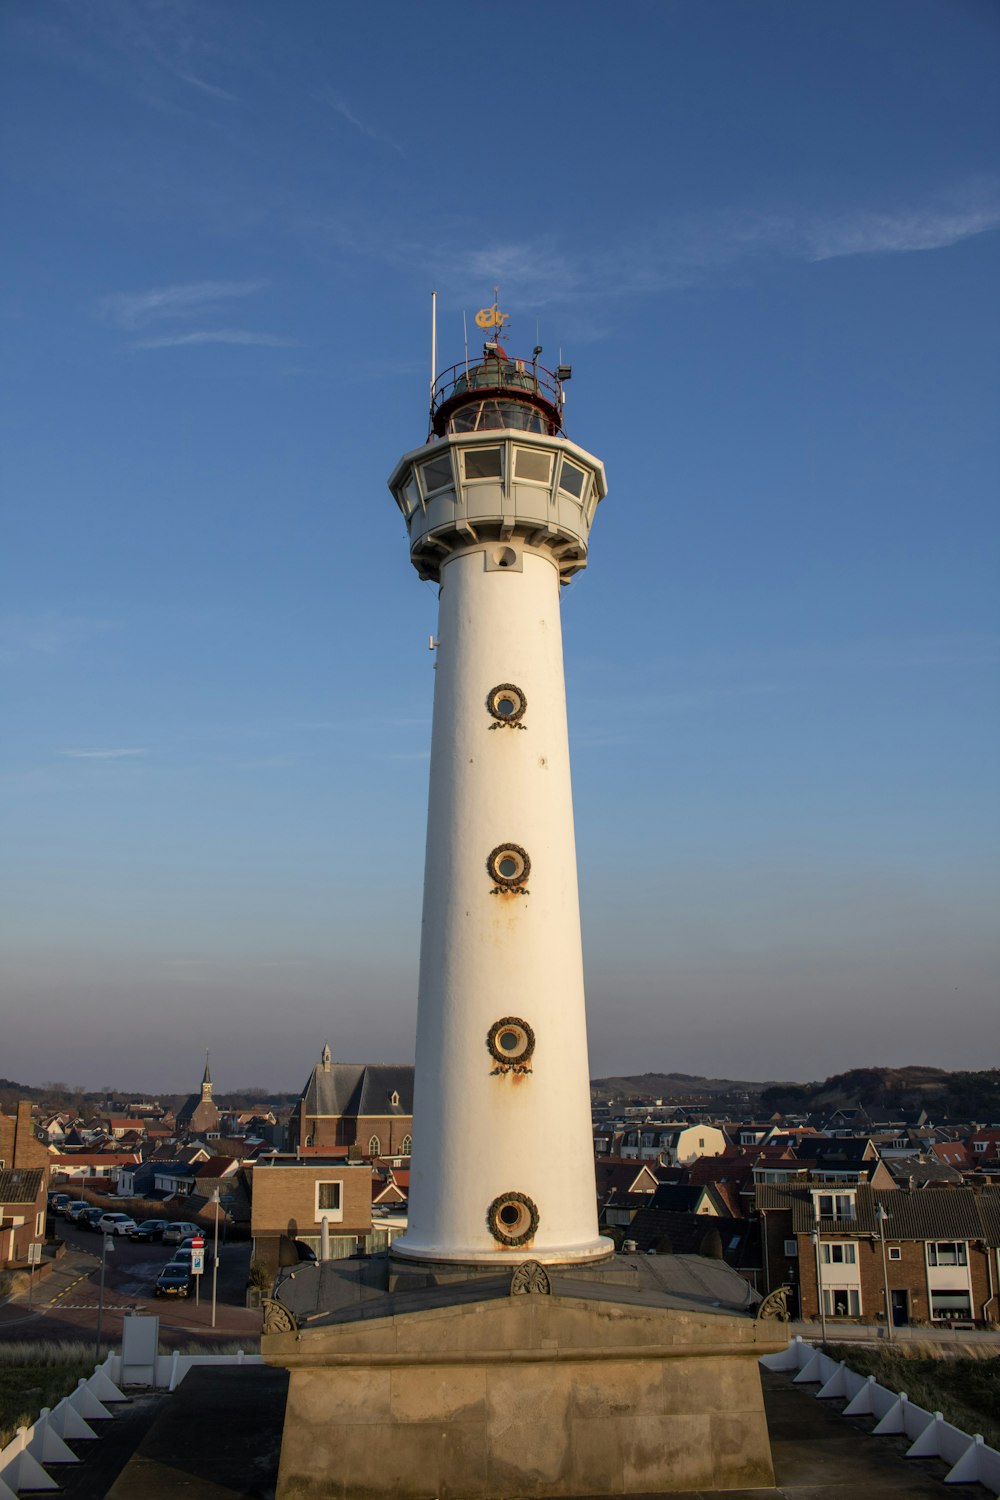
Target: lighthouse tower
499, 504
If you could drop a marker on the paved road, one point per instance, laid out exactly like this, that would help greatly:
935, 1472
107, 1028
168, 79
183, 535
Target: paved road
65, 1304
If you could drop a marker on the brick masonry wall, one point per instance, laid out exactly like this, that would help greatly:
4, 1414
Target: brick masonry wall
284, 1199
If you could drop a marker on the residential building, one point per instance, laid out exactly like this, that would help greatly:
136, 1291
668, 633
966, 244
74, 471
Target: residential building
293, 1195
936, 1253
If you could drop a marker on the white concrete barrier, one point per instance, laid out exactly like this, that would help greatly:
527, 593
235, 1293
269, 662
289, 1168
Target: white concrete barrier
972, 1462
19, 1469
46, 1445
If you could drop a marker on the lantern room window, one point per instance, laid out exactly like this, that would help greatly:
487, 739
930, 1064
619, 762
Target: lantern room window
437, 474
533, 465
572, 479
482, 463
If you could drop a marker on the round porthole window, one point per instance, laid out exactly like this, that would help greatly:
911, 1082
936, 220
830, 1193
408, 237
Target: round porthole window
506, 703
509, 866
511, 1041
512, 1219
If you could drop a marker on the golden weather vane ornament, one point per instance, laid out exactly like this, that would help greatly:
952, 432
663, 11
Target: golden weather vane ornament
492, 317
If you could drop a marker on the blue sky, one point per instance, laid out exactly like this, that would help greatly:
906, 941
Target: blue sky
765, 234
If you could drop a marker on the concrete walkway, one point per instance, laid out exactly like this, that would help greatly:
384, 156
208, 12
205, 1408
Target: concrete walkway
220, 1435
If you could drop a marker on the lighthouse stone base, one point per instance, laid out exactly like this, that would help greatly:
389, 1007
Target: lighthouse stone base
468, 1390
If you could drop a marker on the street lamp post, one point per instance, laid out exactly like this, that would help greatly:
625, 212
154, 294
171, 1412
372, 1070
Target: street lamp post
106, 1244
215, 1253
882, 1217
819, 1281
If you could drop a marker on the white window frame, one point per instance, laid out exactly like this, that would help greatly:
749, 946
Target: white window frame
485, 478
847, 1257
440, 489
895, 1253
580, 499
374, 1146
960, 1247
853, 1301
335, 1215
542, 484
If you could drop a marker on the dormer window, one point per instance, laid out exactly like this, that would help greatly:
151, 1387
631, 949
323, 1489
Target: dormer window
834, 1205
394, 1098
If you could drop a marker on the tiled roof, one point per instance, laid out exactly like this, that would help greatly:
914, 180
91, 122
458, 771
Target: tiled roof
358, 1089
927, 1214
21, 1184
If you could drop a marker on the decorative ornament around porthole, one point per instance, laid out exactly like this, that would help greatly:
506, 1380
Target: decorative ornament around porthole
512, 1219
506, 704
510, 867
529, 1279
511, 1043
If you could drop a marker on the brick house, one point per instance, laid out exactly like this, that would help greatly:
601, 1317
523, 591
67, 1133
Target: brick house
24, 1181
369, 1106
292, 1195
22, 1213
935, 1251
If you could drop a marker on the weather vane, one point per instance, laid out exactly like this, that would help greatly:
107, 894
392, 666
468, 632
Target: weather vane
492, 317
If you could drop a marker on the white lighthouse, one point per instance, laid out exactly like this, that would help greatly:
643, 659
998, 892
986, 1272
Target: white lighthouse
499, 505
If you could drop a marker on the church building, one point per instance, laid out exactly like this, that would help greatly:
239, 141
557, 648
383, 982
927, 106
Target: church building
365, 1105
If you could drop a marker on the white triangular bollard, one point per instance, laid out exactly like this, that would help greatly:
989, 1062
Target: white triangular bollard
87, 1404
46, 1445
862, 1405
837, 1384
968, 1469
26, 1473
895, 1418
785, 1360
928, 1444
103, 1387
65, 1420
812, 1370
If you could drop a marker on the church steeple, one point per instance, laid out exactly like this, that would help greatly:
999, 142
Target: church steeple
206, 1083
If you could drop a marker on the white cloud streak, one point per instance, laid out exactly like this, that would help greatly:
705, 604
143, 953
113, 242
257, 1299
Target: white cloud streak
115, 754
685, 251
215, 336
132, 311
342, 108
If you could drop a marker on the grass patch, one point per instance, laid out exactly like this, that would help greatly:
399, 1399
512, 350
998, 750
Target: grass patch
37, 1375
964, 1387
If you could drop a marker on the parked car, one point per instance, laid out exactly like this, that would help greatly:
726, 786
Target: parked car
182, 1258
115, 1223
148, 1230
90, 1218
74, 1210
173, 1281
177, 1231
57, 1202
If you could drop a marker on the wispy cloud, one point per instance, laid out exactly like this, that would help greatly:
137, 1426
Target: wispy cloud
28, 637
132, 311
899, 233
683, 251
185, 303
340, 105
215, 336
113, 754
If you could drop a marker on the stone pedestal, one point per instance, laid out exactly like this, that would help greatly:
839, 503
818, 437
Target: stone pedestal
482, 1394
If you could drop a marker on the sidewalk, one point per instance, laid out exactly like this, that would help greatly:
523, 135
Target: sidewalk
874, 1333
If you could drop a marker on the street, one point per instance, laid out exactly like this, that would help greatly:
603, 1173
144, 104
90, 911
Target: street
64, 1306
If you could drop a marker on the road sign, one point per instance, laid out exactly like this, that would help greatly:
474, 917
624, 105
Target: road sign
197, 1261
197, 1242
35, 1253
